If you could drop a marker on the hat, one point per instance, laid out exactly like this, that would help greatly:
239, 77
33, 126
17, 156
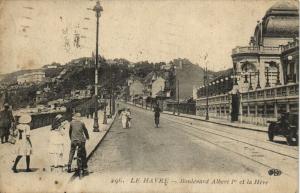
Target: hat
58, 117
24, 119
76, 116
6, 104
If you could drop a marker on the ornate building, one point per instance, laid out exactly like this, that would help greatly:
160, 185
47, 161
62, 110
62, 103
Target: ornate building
265, 73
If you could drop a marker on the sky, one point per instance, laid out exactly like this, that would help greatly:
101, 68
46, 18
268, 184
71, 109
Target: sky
38, 32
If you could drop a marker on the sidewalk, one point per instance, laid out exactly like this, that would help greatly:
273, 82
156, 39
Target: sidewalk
42, 178
214, 120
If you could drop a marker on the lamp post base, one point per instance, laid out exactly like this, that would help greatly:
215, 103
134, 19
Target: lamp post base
96, 125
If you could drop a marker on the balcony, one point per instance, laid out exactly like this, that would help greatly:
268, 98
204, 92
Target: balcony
282, 92
256, 50
290, 45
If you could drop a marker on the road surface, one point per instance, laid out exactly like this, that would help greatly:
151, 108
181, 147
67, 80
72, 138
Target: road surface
182, 145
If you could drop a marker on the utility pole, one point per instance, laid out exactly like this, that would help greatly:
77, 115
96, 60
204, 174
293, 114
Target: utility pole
110, 102
206, 91
98, 8
178, 113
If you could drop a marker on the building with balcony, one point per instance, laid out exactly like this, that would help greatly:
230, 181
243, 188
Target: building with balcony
265, 75
259, 64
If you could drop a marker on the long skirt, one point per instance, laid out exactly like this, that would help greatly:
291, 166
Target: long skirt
124, 123
56, 155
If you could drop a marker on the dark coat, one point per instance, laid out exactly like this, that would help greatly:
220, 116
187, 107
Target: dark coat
6, 118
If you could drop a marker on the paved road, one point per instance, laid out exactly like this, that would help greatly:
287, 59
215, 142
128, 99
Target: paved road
178, 146
183, 148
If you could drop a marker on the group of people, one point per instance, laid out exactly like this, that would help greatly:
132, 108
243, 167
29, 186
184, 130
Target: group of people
78, 135
125, 115
23, 146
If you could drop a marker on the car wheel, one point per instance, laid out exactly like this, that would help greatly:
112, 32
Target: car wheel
271, 136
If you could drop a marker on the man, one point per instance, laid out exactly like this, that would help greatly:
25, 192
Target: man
78, 135
156, 114
6, 120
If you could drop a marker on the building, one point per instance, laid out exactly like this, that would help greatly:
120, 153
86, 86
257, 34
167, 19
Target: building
265, 74
136, 88
158, 86
32, 77
80, 94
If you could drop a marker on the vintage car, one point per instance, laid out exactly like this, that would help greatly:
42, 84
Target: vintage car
286, 126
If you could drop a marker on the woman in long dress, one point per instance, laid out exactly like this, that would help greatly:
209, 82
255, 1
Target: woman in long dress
124, 118
23, 143
57, 143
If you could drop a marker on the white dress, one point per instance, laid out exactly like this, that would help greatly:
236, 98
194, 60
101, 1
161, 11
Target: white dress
57, 145
23, 147
124, 116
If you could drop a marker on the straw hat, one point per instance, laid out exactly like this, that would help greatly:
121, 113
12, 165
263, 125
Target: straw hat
77, 116
25, 119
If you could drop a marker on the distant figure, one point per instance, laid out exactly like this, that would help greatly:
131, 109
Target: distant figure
157, 111
6, 121
123, 115
129, 117
23, 143
57, 142
124, 118
78, 135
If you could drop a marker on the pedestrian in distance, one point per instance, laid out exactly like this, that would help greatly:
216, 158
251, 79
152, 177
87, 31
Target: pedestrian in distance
57, 143
124, 118
6, 122
23, 143
157, 111
129, 117
78, 134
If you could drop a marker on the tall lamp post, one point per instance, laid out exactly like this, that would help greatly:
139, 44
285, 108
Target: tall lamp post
178, 112
206, 92
98, 8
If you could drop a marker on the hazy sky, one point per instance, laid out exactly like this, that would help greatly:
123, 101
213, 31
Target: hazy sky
35, 33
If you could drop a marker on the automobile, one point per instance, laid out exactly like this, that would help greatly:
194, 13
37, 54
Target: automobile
286, 126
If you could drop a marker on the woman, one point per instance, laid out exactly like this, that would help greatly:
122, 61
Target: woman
124, 118
23, 143
57, 143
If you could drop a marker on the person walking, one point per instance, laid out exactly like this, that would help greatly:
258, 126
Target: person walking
6, 121
57, 143
23, 143
129, 117
124, 118
157, 111
78, 134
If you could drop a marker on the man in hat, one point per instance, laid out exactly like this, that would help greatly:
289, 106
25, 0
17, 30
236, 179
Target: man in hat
78, 134
6, 120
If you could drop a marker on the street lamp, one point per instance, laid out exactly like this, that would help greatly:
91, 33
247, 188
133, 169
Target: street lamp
206, 92
267, 74
290, 76
97, 8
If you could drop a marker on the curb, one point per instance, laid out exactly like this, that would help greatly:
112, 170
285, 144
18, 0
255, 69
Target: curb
94, 149
237, 127
96, 146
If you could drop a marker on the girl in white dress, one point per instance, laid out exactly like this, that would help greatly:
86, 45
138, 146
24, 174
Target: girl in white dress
124, 118
57, 143
23, 143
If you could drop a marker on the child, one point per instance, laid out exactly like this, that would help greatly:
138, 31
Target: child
23, 144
